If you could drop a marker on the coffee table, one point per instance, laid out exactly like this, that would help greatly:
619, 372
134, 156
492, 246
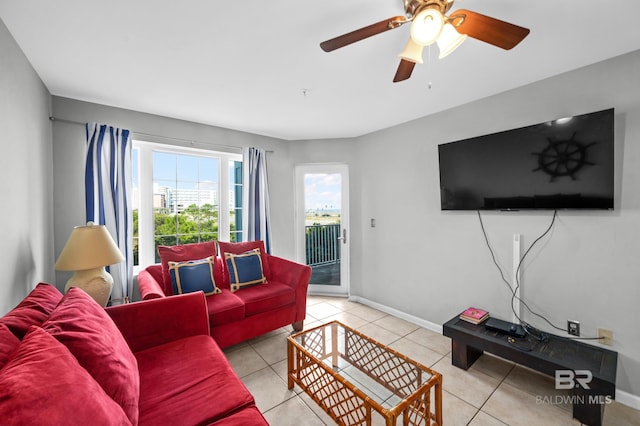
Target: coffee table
355, 379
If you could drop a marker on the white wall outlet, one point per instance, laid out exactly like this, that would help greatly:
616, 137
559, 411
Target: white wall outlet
605, 336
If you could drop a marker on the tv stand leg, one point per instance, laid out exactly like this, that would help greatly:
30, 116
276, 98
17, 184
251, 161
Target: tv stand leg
462, 355
589, 407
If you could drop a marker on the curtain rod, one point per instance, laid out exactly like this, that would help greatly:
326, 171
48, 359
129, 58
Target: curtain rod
190, 141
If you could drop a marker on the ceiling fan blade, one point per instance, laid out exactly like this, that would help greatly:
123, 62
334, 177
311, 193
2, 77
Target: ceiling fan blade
404, 70
362, 33
490, 30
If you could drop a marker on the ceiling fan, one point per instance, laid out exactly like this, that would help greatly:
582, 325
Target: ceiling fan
429, 24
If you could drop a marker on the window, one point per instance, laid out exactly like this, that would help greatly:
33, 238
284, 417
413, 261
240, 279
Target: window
183, 195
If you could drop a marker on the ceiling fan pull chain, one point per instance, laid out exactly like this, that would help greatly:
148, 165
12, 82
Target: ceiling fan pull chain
429, 65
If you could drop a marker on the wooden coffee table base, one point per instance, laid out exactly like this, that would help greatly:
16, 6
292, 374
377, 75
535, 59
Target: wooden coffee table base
354, 378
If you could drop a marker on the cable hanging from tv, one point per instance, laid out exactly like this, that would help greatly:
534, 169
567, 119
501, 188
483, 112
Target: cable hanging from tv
528, 328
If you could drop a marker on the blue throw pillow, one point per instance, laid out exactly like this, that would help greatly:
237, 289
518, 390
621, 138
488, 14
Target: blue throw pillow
192, 276
244, 269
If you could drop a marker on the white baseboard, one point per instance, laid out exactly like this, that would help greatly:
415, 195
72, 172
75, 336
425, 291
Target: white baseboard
628, 399
622, 397
396, 313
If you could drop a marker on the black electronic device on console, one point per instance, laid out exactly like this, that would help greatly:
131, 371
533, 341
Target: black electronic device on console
505, 327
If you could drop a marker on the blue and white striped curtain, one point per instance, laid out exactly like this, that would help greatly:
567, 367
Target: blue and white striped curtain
256, 220
108, 187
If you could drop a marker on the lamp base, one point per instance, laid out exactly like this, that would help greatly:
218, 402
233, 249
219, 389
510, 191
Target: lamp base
96, 282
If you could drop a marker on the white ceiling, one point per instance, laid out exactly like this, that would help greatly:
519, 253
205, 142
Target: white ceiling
246, 65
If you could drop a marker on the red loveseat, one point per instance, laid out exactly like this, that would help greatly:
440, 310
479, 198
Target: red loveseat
235, 316
66, 360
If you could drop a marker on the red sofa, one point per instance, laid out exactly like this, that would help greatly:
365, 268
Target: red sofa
66, 360
235, 316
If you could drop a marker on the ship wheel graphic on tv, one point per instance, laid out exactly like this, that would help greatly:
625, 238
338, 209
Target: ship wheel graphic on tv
563, 157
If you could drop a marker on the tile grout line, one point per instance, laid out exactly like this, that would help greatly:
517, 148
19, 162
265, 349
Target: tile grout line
293, 391
492, 393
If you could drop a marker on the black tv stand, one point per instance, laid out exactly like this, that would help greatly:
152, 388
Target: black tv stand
469, 341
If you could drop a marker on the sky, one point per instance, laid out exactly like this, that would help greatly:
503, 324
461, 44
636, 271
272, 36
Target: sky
322, 191
189, 169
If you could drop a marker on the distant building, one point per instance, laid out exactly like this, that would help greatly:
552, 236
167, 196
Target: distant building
177, 200
159, 201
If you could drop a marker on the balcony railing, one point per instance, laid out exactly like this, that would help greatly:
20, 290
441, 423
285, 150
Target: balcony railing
322, 246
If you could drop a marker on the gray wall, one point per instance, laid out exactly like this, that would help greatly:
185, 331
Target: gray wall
26, 165
432, 264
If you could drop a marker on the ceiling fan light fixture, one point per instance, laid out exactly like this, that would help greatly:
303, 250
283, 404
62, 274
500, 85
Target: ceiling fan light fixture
427, 26
412, 52
449, 40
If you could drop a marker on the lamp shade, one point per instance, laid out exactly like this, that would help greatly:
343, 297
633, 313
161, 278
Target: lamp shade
412, 52
449, 40
88, 247
427, 26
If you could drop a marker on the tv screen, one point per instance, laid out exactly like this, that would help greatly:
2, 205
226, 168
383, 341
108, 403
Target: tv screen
561, 164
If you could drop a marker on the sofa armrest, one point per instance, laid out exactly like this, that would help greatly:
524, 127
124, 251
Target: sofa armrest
295, 275
154, 322
148, 284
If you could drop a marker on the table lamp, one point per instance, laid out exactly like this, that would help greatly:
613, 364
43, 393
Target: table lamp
88, 250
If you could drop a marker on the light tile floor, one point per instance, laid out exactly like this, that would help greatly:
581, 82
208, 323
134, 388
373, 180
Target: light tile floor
492, 392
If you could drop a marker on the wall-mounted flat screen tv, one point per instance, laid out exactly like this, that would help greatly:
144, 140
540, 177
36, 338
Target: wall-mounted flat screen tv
562, 164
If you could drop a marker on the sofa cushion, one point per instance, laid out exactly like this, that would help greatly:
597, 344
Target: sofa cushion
239, 248
250, 416
88, 332
43, 384
193, 275
201, 387
264, 298
225, 307
180, 254
33, 310
8, 344
245, 269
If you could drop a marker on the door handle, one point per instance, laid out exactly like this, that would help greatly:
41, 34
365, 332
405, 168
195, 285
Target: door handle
344, 236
